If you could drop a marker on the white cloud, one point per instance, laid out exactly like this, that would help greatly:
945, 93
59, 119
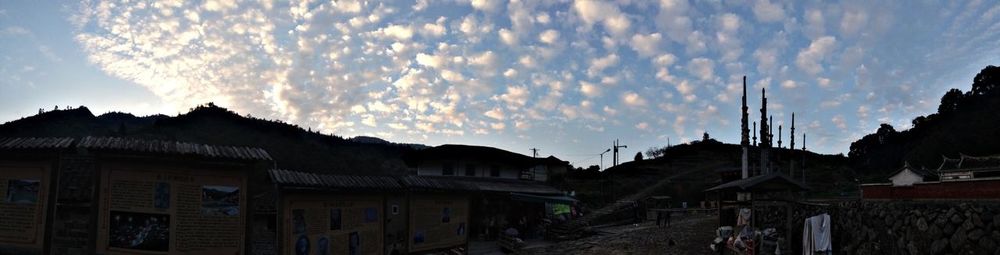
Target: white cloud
549, 36
434, 61
507, 37
593, 11
789, 84
633, 99
434, 29
702, 68
665, 60
486, 5
854, 20
599, 64
839, 121
516, 96
642, 126
766, 58
765, 11
510, 73
815, 23
399, 32
589, 89
646, 45
823, 82
495, 113
809, 58
674, 20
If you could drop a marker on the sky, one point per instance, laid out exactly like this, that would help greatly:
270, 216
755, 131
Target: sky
565, 77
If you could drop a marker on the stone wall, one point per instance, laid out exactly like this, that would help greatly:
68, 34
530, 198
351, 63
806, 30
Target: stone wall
897, 227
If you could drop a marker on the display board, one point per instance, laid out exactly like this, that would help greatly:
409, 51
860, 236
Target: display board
332, 224
438, 222
148, 210
23, 201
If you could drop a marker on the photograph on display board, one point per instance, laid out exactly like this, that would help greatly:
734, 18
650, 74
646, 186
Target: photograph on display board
323, 245
220, 200
161, 195
446, 215
419, 236
298, 221
302, 245
354, 244
139, 231
336, 222
22, 191
371, 215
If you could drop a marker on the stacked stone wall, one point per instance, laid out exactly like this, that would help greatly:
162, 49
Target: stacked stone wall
898, 227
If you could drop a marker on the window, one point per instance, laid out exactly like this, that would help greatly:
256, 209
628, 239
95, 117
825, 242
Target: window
470, 170
447, 169
495, 171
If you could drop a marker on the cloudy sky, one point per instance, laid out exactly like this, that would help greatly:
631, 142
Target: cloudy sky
566, 77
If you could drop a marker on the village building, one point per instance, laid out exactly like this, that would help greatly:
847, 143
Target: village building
965, 177
512, 189
125, 196
341, 214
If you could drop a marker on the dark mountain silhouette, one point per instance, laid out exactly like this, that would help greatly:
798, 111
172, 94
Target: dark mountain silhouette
965, 123
827, 175
291, 146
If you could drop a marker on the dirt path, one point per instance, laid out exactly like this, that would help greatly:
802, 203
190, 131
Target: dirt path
691, 235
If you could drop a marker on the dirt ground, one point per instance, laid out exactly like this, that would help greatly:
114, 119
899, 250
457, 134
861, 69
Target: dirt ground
691, 234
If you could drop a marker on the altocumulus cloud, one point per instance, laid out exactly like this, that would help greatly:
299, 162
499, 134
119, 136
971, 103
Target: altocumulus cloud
527, 69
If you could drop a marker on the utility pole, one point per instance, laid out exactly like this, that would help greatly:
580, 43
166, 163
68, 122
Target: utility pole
534, 152
616, 146
602, 158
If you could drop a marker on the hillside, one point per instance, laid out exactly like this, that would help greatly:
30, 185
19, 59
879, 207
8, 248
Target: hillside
291, 146
828, 175
966, 123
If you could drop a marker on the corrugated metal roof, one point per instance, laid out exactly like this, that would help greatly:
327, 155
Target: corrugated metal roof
751, 184
173, 147
334, 182
503, 185
440, 184
297, 179
18, 143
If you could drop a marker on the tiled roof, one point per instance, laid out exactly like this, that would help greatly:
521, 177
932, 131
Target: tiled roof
966, 162
439, 184
18, 143
295, 179
334, 182
172, 147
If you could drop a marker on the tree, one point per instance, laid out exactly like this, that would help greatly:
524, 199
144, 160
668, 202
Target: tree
705, 137
986, 81
950, 101
638, 156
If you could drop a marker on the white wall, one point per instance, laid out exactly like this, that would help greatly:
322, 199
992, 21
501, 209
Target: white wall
435, 168
905, 178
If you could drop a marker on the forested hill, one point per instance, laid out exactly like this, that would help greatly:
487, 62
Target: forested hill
291, 146
965, 122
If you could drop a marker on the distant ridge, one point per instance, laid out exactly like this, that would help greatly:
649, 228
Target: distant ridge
291, 146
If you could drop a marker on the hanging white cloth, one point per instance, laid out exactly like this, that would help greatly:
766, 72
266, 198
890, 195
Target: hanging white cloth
807, 240
816, 236
821, 233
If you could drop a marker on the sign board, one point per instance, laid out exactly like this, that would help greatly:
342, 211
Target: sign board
146, 210
23, 201
438, 222
323, 225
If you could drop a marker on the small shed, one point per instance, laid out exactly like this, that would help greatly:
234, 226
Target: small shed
769, 194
